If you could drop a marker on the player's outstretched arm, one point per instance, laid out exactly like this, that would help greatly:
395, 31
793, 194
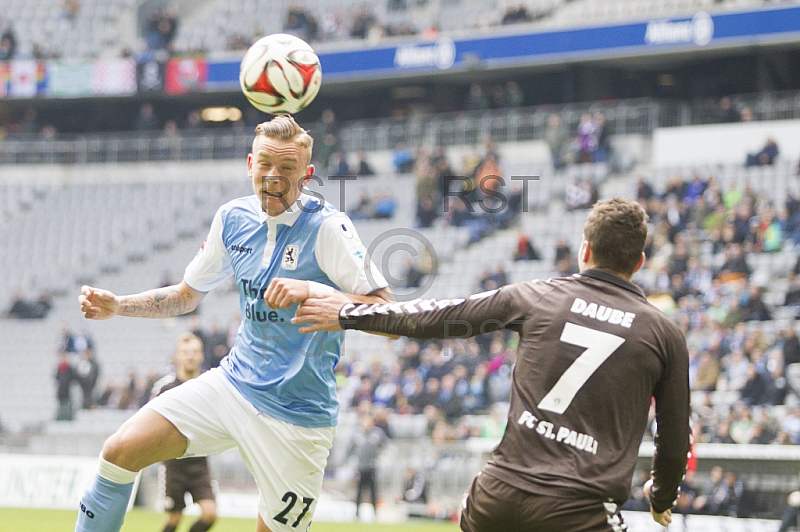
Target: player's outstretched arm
99, 304
449, 318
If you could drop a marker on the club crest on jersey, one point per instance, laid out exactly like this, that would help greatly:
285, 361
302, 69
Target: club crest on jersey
290, 257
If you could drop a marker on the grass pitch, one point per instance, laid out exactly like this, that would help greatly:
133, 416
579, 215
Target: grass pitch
27, 520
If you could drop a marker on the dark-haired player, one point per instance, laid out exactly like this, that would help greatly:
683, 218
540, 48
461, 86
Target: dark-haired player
593, 352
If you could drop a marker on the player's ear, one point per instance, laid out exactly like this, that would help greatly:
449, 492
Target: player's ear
309, 173
250, 165
585, 252
640, 263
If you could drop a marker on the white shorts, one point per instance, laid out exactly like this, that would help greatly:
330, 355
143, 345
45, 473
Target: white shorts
287, 461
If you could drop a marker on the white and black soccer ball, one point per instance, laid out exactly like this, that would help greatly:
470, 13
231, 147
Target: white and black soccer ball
280, 74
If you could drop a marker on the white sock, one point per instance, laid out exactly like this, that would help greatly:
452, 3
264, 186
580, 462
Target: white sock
115, 473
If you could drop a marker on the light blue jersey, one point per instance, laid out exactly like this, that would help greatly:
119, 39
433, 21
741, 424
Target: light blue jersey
282, 372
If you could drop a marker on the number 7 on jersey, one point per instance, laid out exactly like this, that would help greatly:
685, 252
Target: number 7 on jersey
599, 346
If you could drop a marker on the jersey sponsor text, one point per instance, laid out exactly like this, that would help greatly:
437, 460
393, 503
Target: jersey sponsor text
250, 311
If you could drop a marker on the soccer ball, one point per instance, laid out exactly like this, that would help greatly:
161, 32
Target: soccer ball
280, 74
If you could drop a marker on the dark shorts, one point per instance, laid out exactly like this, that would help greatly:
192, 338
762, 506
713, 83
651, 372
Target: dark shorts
189, 475
492, 505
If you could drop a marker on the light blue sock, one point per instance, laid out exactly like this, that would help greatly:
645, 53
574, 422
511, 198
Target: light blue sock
103, 506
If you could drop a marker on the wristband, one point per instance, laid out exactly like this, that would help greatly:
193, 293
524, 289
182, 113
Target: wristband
316, 289
345, 321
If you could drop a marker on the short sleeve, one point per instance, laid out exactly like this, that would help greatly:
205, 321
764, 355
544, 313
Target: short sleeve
212, 264
343, 257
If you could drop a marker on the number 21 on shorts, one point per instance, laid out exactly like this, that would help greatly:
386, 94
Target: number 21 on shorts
599, 346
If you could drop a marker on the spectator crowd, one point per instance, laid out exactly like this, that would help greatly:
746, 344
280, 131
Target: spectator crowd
699, 254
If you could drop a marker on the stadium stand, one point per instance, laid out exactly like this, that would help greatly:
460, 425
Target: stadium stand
632, 122
576, 12
151, 199
97, 26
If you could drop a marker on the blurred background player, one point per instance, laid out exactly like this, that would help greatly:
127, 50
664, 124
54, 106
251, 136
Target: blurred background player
187, 475
366, 446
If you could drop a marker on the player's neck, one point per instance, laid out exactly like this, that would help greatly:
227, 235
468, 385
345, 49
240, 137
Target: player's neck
274, 213
184, 376
590, 265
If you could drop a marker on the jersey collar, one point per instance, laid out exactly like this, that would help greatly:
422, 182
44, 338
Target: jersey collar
287, 217
613, 279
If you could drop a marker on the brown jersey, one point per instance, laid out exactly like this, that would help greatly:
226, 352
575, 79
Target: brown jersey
593, 352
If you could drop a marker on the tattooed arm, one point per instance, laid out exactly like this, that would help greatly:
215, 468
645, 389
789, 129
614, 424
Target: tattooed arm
98, 304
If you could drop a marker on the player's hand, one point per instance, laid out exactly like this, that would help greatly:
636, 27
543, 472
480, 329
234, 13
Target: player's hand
98, 304
283, 292
321, 313
662, 518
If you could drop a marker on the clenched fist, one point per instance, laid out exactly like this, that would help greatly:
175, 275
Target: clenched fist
98, 304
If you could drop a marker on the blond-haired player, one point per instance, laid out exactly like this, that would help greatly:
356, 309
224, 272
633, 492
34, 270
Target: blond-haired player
274, 396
